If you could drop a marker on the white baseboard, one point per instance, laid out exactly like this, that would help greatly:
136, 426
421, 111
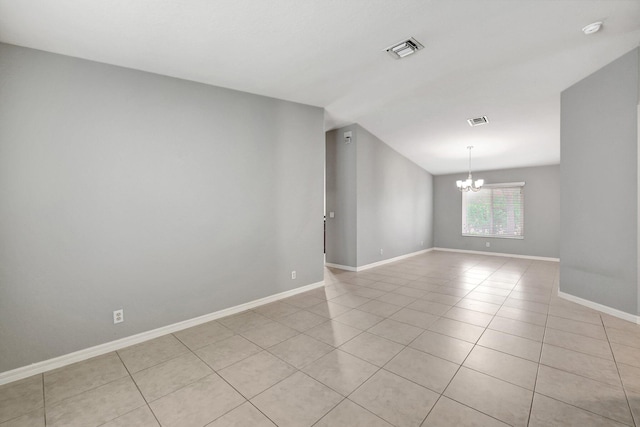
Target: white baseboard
464, 251
340, 266
87, 353
603, 308
377, 264
394, 259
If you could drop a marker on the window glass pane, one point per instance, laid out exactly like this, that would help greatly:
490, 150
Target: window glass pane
493, 212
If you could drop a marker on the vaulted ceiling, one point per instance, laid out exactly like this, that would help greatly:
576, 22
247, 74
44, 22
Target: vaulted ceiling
506, 59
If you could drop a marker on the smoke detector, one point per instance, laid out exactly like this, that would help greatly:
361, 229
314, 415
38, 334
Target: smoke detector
478, 121
404, 48
592, 28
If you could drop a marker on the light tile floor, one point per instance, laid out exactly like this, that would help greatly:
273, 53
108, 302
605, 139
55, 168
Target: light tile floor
440, 339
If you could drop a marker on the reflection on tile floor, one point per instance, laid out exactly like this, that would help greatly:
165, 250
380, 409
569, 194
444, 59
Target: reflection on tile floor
439, 339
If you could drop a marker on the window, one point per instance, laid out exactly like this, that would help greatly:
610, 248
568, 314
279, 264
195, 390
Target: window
497, 210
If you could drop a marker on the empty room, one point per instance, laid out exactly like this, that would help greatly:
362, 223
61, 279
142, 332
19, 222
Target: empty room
319, 213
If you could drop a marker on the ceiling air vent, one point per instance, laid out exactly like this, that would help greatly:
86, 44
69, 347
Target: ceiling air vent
477, 121
405, 48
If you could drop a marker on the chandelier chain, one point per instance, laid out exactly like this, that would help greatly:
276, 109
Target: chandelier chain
469, 184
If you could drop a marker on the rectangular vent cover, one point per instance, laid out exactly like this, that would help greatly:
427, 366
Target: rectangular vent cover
404, 48
477, 121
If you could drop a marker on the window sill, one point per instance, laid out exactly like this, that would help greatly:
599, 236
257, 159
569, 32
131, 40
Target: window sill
489, 236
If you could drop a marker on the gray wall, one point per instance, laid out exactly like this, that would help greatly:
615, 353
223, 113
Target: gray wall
541, 212
168, 198
599, 186
395, 202
341, 197
381, 200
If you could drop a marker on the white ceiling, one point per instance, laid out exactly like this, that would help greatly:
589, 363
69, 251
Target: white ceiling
506, 59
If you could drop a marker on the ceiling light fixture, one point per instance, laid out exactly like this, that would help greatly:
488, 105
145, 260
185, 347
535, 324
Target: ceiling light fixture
469, 184
592, 28
404, 48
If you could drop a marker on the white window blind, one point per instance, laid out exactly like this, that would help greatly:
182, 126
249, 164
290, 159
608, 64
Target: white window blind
497, 210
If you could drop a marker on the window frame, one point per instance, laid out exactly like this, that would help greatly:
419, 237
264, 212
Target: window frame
491, 187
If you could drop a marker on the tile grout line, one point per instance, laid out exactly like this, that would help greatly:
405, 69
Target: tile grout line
462, 363
326, 385
576, 351
189, 350
257, 409
582, 409
572, 373
355, 403
139, 391
535, 384
496, 315
57, 403
44, 402
371, 376
284, 361
541, 346
582, 353
457, 370
393, 357
624, 389
405, 346
230, 385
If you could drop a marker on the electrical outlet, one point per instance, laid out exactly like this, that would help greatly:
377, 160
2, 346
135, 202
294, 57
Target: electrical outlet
488, 244
421, 242
118, 316
381, 251
293, 275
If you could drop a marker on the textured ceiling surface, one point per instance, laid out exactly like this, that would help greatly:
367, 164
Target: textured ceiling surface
506, 59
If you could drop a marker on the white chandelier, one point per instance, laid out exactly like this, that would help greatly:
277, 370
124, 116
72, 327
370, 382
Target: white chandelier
469, 184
